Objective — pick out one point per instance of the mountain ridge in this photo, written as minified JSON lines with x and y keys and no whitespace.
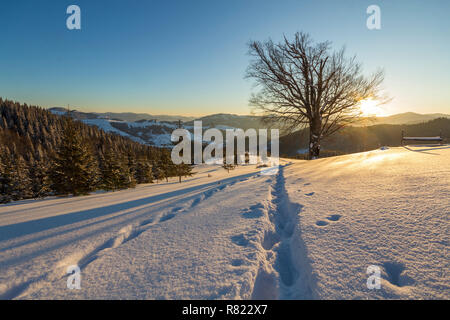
{"x":398,"y":118}
{"x":157,"y":133}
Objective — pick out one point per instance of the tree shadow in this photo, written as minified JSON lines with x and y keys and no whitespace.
{"x":34,"y":226}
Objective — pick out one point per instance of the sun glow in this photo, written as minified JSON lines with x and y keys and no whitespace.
{"x":370,"y":108}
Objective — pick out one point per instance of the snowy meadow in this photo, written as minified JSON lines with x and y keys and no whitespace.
{"x":309,"y":232}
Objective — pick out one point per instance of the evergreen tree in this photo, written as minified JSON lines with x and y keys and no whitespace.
{"x":5,"y":177}
{"x":130,"y":171}
{"x":165,"y":169}
{"x":40,"y":181}
{"x":39,"y":178}
{"x":111,"y":172}
{"x":144,"y":172}
{"x":75,"y":170}
{"x":21,"y":186}
{"x":159,"y":173}
{"x":14,"y":178}
{"x":183,"y":170}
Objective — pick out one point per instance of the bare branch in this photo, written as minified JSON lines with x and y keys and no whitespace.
{"x":304,"y":83}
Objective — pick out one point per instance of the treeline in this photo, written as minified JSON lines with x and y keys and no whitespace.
{"x":43,"y":154}
{"x":360,"y":139}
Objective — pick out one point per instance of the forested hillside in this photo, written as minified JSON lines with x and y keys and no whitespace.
{"x":44,"y":154}
{"x":359,"y":139}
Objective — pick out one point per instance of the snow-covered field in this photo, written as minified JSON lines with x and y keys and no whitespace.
{"x":308,"y":232}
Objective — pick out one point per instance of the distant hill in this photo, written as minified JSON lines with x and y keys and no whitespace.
{"x":124,"y":116}
{"x":231,"y":121}
{"x":403,"y":118}
{"x":129,"y":116}
{"x":145,"y":129}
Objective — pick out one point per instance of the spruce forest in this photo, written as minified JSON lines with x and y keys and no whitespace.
{"x":42,"y":154}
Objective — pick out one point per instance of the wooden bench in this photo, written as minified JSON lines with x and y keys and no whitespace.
{"x":434,"y":139}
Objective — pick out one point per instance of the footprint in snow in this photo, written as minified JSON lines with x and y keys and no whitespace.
{"x":196,"y":201}
{"x":334,"y":217}
{"x":255,"y":211}
{"x":237,"y":262}
{"x":167,"y":217}
{"x":396,"y":274}
{"x":146,"y":222}
{"x":321,"y":223}
{"x":239,"y":240}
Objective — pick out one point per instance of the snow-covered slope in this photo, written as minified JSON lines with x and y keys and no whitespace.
{"x":106,"y":126}
{"x":388,"y":208}
{"x":309,"y":231}
{"x":149,"y":130}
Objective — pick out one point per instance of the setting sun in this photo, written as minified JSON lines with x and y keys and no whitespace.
{"x":370,"y":108}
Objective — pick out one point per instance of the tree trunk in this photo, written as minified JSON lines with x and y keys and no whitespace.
{"x":314,"y":138}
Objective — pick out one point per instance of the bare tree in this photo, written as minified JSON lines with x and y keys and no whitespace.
{"x":305,"y":84}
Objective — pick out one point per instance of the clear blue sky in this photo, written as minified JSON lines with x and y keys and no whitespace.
{"x":189,"y":57}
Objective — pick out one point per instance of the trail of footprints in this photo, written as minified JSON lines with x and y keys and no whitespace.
{"x":283,"y":216}
{"x":276,"y":242}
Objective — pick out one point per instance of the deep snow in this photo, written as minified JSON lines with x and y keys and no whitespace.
{"x":308,"y":232}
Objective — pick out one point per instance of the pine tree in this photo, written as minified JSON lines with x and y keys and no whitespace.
{"x":111,"y":172}
{"x":21,"y":179}
{"x":38,"y":170}
{"x":40,"y":181}
{"x":130,"y":171}
{"x":183,"y":170}
{"x":159,"y":173}
{"x":144,"y":172}
{"x":165,"y":169}
{"x":75,"y":169}
{"x":14,"y":181}
{"x":5,"y":177}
